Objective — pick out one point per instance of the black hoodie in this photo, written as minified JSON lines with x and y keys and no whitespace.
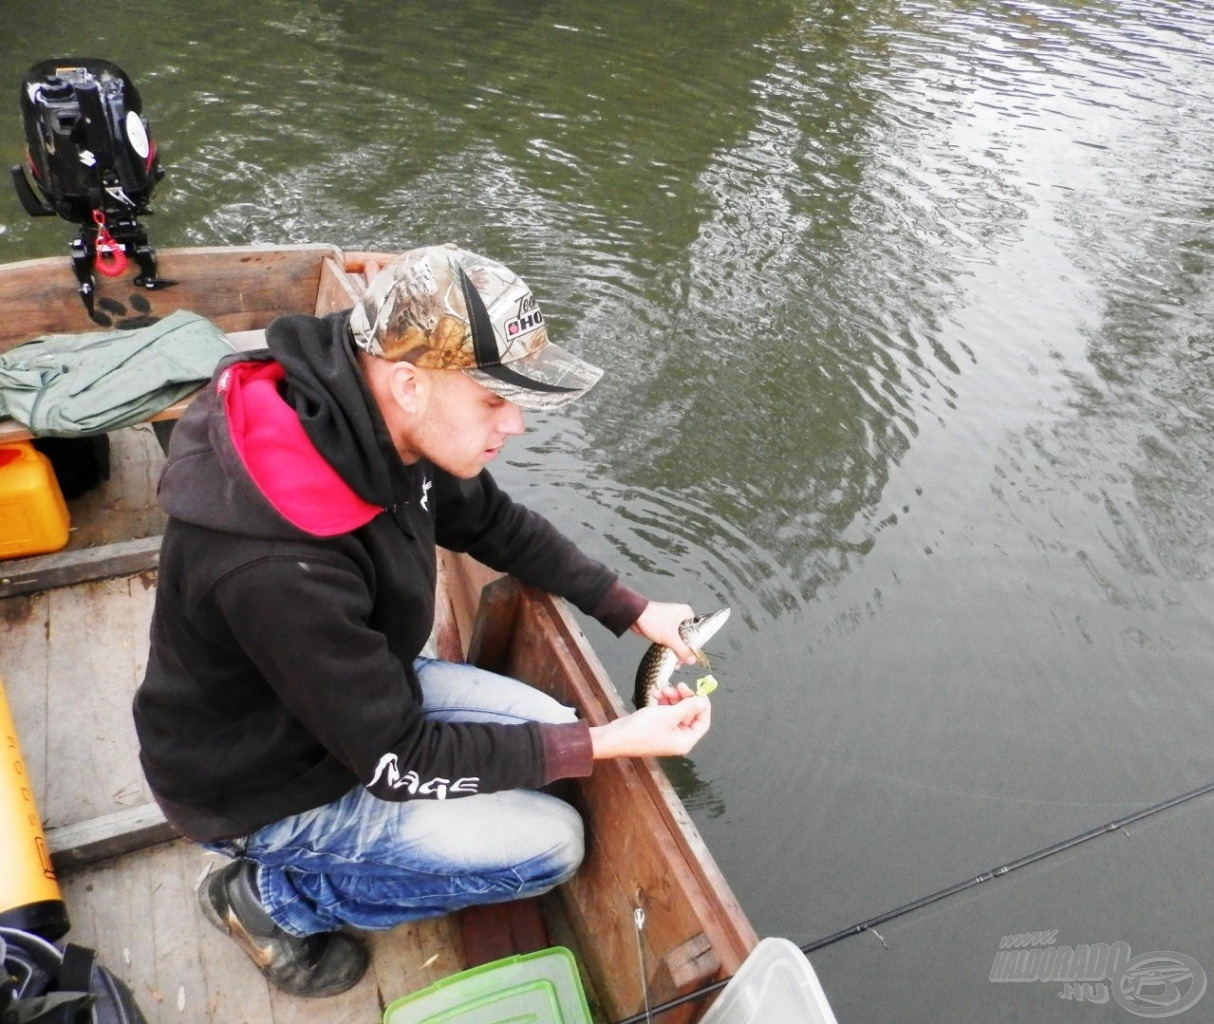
{"x":296,"y":587}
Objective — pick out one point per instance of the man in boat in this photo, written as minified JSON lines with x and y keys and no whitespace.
{"x":287,"y":717}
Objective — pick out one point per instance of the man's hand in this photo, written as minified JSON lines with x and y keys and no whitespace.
{"x":659,"y":623}
{"x":670,"y":727}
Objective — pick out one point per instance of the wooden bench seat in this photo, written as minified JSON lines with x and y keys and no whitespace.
{"x":241,"y":289}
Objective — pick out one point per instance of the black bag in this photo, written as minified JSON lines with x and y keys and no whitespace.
{"x":80,"y":463}
{"x":46,"y":985}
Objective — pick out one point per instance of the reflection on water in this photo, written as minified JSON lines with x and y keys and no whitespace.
{"x":698,"y":795}
{"x":906,"y":311}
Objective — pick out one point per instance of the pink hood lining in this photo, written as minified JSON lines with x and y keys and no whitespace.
{"x":280,"y":458}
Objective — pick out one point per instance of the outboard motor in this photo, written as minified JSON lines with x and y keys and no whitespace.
{"x":91,"y":160}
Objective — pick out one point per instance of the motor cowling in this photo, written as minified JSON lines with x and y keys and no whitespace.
{"x":90,"y":159}
{"x":88,"y":145}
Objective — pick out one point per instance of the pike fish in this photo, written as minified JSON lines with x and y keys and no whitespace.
{"x":659,"y":662}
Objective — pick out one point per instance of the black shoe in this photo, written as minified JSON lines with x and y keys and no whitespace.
{"x":319,"y":965}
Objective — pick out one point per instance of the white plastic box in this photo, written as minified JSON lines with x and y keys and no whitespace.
{"x":775,"y":985}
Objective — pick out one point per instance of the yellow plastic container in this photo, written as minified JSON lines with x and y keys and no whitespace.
{"x":33,"y":515}
{"x":29,"y":892}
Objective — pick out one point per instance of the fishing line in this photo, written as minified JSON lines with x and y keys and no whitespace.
{"x":952,"y":890}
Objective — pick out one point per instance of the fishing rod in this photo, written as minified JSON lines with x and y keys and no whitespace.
{"x":1015,"y":865}
{"x":952,"y":890}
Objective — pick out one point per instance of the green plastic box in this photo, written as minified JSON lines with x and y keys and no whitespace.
{"x":534,"y":988}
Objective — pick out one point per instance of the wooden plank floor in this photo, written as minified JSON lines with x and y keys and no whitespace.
{"x":70,"y":659}
{"x":140,"y":913}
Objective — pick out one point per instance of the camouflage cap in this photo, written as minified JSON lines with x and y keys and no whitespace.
{"x":444,"y":308}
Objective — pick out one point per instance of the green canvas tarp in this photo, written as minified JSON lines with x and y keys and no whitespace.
{"x":71,"y":385}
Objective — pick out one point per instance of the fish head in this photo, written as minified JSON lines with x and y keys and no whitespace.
{"x":698,"y":630}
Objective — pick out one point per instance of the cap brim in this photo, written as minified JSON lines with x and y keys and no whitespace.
{"x":545,"y":379}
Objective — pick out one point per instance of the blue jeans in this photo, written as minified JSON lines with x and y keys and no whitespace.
{"x":373,"y":864}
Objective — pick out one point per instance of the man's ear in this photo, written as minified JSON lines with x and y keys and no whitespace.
{"x":407,"y":385}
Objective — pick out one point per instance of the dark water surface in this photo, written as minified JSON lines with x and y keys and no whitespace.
{"x":908,"y":316}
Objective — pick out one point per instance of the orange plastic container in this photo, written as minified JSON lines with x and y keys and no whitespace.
{"x":33,"y":515}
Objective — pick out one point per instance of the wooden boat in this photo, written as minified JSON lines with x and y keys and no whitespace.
{"x":74,"y":648}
